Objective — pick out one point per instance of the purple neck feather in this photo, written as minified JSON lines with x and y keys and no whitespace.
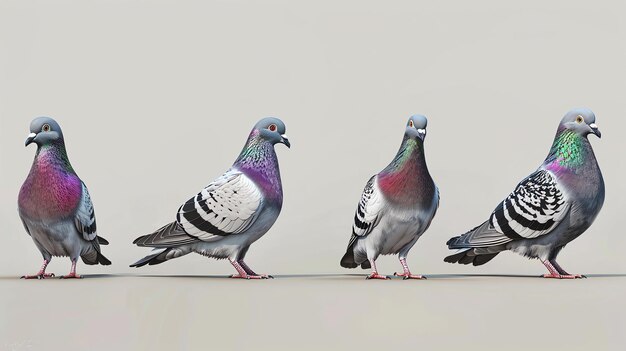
{"x":259,"y":162}
{"x":52,"y":189}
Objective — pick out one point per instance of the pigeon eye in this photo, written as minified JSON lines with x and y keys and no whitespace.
{"x":579,"y":119}
{"x":272,"y":127}
{"x":411,"y":124}
{"x":45,"y":128}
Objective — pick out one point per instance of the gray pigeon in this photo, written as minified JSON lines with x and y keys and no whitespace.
{"x":396,"y":207}
{"x":548,"y":209}
{"x":232,"y":212}
{"x":54,"y":203}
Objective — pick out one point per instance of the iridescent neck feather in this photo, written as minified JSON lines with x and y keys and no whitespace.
{"x":406,"y":179}
{"x":568,"y":152}
{"x":259,"y":162}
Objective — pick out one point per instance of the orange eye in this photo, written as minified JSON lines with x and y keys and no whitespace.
{"x":272,"y":127}
{"x":411,"y":123}
{"x":579,"y":119}
{"x":45,"y":127}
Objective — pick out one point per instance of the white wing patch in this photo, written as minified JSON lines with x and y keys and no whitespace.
{"x":229,"y":205}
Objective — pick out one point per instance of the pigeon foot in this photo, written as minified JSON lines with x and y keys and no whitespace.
{"x":39,"y":275}
{"x":251,"y":276}
{"x":375,"y":275}
{"x":71,"y":276}
{"x":408,"y":275}
{"x":564,"y":276}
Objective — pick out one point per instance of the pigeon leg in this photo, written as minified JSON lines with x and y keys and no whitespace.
{"x":250,"y":272}
{"x":557,"y":272}
{"x":72,"y":274}
{"x":41,"y":274}
{"x":374,"y":274}
{"x":407,"y":273}
{"x":241,"y":272}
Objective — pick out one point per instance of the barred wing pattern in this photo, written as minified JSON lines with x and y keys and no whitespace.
{"x":534,"y":208}
{"x":367,"y":213}
{"x":85,"y":217}
{"x":229,"y":205}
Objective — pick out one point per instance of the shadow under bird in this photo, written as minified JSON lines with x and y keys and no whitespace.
{"x":232,"y":212}
{"x":548,"y":209}
{"x":396,"y":207}
{"x":54,"y":204}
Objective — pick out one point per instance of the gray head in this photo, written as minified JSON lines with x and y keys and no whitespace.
{"x":273,"y":130}
{"x":581,"y":121}
{"x":44,"y":131}
{"x":416,"y":127}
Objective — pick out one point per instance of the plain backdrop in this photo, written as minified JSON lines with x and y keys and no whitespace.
{"x":156,"y":98}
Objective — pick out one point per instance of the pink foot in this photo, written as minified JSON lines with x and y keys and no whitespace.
{"x":39,"y":275}
{"x":564,"y":276}
{"x":408,"y":275}
{"x":377,"y":276}
{"x":251,"y":276}
{"x":71,"y":276}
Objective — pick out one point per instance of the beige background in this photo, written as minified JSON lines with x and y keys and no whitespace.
{"x":156,"y":99}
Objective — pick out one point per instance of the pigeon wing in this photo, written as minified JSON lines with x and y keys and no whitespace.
{"x":229,"y":205}
{"x":85,"y":217}
{"x":536,"y":206}
{"x":368,"y":212}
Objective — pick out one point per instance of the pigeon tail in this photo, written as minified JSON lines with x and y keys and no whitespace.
{"x":347,"y":261}
{"x":470,"y":255}
{"x":170,"y":235}
{"x":156,"y":258}
{"x":103,"y":260}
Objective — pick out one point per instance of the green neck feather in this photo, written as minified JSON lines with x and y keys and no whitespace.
{"x":568,"y":150}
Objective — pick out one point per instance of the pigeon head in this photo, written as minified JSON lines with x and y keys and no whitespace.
{"x":581,"y":121}
{"x":416,"y":127}
{"x":273,"y":130}
{"x":44,"y":131}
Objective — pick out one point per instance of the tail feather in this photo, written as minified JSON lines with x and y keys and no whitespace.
{"x":102,"y":241}
{"x":347,"y":261}
{"x":156,"y":258}
{"x":169,"y":235}
{"x":469,"y":255}
{"x":103,"y":260}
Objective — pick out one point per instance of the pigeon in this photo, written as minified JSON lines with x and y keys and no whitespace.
{"x":54,"y":204}
{"x":232,"y":212}
{"x":396,"y":207}
{"x":548,"y":209}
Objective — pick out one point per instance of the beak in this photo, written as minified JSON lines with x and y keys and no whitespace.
{"x":421,"y":133}
{"x":595,"y":130}
{"x":30,"y":139}
{"x":284,"y":140}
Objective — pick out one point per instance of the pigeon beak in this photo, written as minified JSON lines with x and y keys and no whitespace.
{"x":595,"y":130}
{"x":30,"y":139}
{"x":284,"y":140}
{"x":421,"y":133}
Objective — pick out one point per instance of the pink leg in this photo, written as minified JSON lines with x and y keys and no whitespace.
{"x":41,"y":274}
{"x":407,"y":273}
{"x":249,"y":270}
{"x":72,"y":274}
{"x":374,"y":274}
{"x":554,"y":272}
{"x":242,"y":274}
